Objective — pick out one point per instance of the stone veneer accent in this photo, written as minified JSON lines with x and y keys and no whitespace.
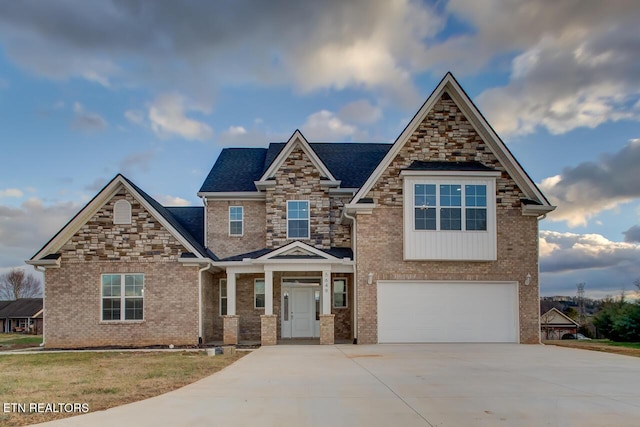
{"x":298,"y":179}
{"x":268,"y":334}
{"x":445,"y":135}
{"x":254,"y":233}
{"x":99,"y":239}
{"x":327,"y":329}
{"x":230,"y":329}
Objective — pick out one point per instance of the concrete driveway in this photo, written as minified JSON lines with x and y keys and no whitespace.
{"x":400,"y":385}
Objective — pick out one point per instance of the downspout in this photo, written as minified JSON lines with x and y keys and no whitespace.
{"x":540,"y":218}
{"x":200,"y":326}
{"x":355,"y":277}
{"x":44,"y":317}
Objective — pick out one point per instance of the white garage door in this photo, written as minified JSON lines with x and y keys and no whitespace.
{"x":447,"y":312}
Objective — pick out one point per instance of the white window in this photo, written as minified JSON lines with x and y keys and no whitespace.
{"x":450,"y":217}
{"x":298,"y":219}
{"x":258,"y":293}
{"x":340,"y":293}
{"x":223,"y":297}
{"x":122,"y":212}
{"x":441,"y":207}
{"x":236,"y":218}
{"x":122,"y":296}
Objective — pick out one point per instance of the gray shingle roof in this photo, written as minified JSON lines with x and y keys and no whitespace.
{"x":237,"y":168}
{"x":23,"y":307}
{"x":449,"y":166}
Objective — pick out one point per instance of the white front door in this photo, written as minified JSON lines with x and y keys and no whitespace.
{"x":299,"y":312}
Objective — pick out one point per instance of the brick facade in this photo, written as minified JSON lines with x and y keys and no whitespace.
{"x":445,"y":134}
{"x":253,"y":236}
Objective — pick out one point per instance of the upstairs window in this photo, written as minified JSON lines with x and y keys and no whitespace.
{"x":298,"y":219}
{"x":236,"y":219}
{"x":450,"y":207}
{"x":122,"y":212}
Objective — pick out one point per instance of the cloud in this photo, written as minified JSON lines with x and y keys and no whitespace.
{"x":314,"y":45}
{"x":327,"y":126}
{"x":606,"y":266}
{"x":24,"y":229}
{"x":96,"y":185}
{"x":575,"y":63}
{"x":632,"y":235}
{"x":11,"y":192}
{"x":583,"y":191}
{"x":135,"y":116}
{"x":167,"y":115}
{"x":360,"y":112}
{"x":136,"y":162}
{"x":87,"y":120}
{"x":166,"y":200}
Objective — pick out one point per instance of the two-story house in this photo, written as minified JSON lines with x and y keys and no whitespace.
{"x":433,"y":238}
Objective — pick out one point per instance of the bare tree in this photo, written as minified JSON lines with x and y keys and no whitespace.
{"x":17,"y":284}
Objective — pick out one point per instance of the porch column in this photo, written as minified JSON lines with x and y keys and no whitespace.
{"x":268,"y":292}
{"x":327,"y":329}
{"x":230,"y":325}
{"x":268,"y":321}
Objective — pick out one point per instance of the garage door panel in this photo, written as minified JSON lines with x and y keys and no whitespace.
{"x":447,"y":312}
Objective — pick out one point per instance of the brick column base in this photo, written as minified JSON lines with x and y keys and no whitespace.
{"x":327,"y":328}
{"x":268,"y":326}
{"x":230,"y":329}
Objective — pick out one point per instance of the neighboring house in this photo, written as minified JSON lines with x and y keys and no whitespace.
{"x":554,"y":324}
{"x":22,"y":315}
{"x":433,"y":238}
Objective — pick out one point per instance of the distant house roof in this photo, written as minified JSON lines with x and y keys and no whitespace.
{"x":555,"y":317}
{"x":23,"y":307}
{"x":236,"y":169}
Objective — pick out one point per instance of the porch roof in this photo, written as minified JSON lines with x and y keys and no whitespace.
{"x":340,"y":253}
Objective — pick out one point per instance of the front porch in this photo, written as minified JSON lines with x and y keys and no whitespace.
{"x":283,"y":297}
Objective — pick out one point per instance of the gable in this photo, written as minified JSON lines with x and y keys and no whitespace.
{"x":102,"y":239}
{"x":92,"y":234}
{"x":555,"y":317}
{"x":445,"y":135}
{"x":459,"y":126}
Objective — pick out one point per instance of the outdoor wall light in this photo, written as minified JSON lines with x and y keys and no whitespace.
{"x":370,"y":278}
{"x":527,"y":280}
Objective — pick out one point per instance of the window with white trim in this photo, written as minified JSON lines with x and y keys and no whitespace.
{"x":236,"y":218}
{"x":298,"y":219}
{"x":258,"y":293}
{"x":340,"y":293}
{"x":122,"y":297}
{"x":223,"y":297}
{"x":122,"y":212}
{"x":441,"y":207}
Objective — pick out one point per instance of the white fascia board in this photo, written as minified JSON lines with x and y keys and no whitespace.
{"x":45,"y":262}
{"x":233,"y":195}
{"x":286,"y":151}
{"x":237,"y":267}
{"x":328,"y":183}
{"x":360,"y":208}
{"x":196,"y":262}
{"x":536,"y":210}
{"x":263,"y":185}
{"x":464,"y":174}
{"x":345,"y":191}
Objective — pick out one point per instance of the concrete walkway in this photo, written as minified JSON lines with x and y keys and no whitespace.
{"x":400,"y":385}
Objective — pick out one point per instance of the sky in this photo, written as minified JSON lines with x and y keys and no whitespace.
{"x":155,"y":89}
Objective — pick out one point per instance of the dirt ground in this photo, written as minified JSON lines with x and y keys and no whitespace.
{"x":595,"y":346}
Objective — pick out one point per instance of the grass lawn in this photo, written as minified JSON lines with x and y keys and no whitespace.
{"x":15,"y":341}
{"x":101,"y":380}
{"x":626,"y":348}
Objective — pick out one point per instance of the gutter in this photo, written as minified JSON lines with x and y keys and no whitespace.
{"x":355,"y":275}
{"x":44,"y":299}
